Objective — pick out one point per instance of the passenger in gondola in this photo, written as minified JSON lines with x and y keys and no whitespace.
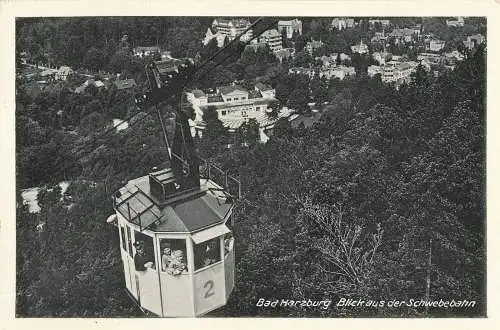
{"x":166,"y":258}
{"x":211,"y":253}
{"x":140,"y":257}
{"x":178,"y":265}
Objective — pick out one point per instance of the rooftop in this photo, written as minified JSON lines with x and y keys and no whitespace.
{"x":271,"y":33}
{"x":262,"y":87}
{"x":230,"y":89}
{"x":189,"y":211}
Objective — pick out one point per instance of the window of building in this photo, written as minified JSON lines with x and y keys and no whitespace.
{"x":228,"y":243}
{"x":243,"y":98}
{"x":173,"y":256}
{"x":129,"y":240}
{"x":124,"y":241}
{"x":235,"y":99}
{"x":145,"y":252}
{"x":223,"y":112}
{"x":228,"y":99}
{"x":207,"y":253}
{"x":257,"y":108}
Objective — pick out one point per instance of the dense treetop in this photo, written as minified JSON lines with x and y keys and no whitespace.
{"x":346,"y":208}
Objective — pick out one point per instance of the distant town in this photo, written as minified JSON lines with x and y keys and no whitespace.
{"x":388,"y":49}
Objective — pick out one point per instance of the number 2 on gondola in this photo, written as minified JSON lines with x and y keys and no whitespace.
{"x":209,"y":285}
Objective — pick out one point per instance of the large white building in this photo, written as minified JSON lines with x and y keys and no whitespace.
{"x":340,"y":23}
{"x":273,"y":39}
{"x":398,"y":72}
{"x":234,"y":104}
{"x":436,"y":45}
{"x":292,"y":26}
{"x":230,"y":28}
{"x":383,"y":22}
{"x":146,"y":51}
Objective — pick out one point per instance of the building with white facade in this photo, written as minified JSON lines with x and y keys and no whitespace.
{"x":398,"y":72}
{"x":219,"y":38}
{"x":383,"y":22}
{"x":361,"y":48}
{"x":273,"y":39}
{"x":341,"y":23}
{"x":230,"y":28}
{"x":234,"y":104}
{"x":146,"y":51}
{"x":436,"y":45}
{"x":292,"y":26}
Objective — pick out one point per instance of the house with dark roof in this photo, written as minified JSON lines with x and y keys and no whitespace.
{"x":266,"y":91}
{"x":233,"y":93}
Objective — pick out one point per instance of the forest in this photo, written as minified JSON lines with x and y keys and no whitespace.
{"x":349,"y":207}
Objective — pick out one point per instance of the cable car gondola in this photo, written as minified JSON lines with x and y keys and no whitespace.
{"x":175,"y":224}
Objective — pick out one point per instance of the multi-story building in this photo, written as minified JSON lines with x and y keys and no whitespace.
{"x":436,"y":45}
{"x":230,"y":28}
{"x":361,"y":48}
{"x":233,"y":28}
{"x":398,"y":72}
{"x":341,"y":23}
{"x":383,"y":22}
{"x":218,"y":36}
{"x":234,"y":104}
{"x":292,"y":26}
{"x":273,"y":39}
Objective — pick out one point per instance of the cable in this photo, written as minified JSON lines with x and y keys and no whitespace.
{"x":107,"y":131}
{"x":236,"y":39}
